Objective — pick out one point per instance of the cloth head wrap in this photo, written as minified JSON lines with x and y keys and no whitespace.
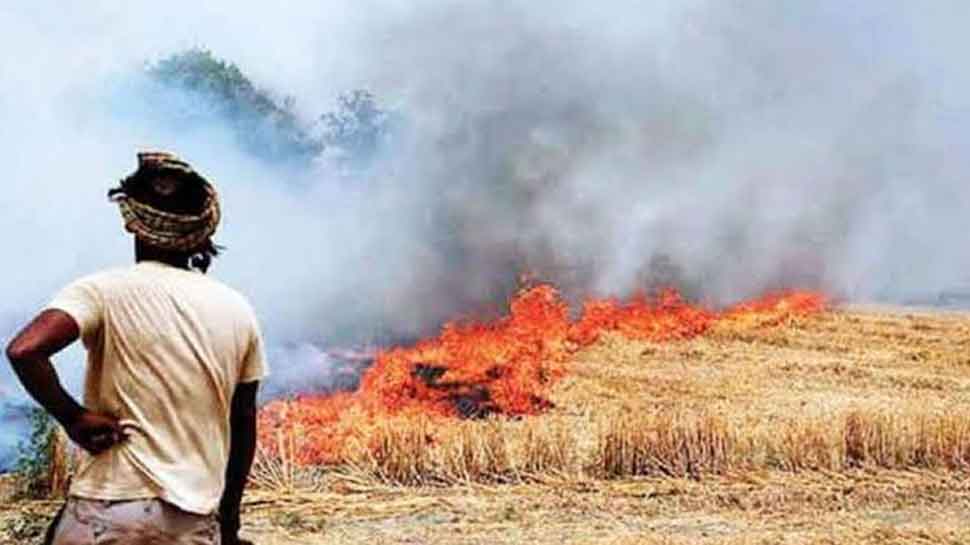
{"x":167,"y":230}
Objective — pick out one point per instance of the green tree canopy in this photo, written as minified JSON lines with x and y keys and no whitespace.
{"x":264,"y":126}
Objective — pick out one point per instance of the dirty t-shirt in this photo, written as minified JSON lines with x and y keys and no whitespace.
{"x":166,"y":349}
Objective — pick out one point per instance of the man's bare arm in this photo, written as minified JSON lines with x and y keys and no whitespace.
{"x":29,"y":354}
{"x":241,"y":452}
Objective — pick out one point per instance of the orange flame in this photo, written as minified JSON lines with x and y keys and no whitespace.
{"x":507,"y":366}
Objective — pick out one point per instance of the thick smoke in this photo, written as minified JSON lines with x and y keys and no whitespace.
{"x":739,"y":146}
{"x":756,"y":145}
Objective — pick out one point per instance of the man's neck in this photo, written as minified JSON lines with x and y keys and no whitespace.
{"x":179,"y":260}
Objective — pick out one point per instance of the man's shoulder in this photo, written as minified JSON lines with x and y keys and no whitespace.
{"x":104,"y":277}
{"x":229,"y":291}
{"x":150,"y":275}
{"x":228,"y":294}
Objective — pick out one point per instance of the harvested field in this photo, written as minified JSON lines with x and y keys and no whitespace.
{"x":848,"y":426}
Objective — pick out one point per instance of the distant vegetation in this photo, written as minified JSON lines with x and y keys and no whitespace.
{"x":265,"y":125}
{"x":356,"y":129}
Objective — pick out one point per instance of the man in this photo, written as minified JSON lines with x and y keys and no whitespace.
{"x":167,"y":430}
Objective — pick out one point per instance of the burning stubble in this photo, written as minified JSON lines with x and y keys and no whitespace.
{"x":505,"y":368}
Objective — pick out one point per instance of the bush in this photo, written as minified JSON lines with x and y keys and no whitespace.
{"x":42,"y":465}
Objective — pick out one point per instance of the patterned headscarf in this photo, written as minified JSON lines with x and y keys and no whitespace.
{"x":167,"y":230}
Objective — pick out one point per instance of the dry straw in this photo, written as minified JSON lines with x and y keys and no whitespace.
{"x":681,"y":443}
{"x":832,"y":393}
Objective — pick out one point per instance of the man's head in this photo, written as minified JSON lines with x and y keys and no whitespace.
{"x":170,"y":208}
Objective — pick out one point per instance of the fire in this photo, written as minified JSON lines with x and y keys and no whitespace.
{"x":667,"y":318}
{"x":506,"y":367}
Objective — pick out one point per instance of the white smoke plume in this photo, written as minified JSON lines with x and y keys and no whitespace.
{"x":751,"y":145}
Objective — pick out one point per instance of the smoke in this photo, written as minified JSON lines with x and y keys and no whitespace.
{"x":757,"y":145}
{"x":744,"y":145}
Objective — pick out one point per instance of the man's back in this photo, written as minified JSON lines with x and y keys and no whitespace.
{"x":168,"y":424}
{"x":166,"y":349}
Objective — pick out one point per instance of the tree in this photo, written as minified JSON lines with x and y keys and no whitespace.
{"x":355,"y":132}
{"x":264,"y":126}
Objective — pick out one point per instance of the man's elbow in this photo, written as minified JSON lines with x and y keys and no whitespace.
{"x":19,"y":353}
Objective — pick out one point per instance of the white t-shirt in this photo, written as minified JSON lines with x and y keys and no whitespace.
{"x":166,"y":349}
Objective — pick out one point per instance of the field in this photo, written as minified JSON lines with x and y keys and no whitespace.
{"x":848,"y":426}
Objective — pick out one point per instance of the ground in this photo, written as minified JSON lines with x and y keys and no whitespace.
{"x":772,"y":391}
{"x":767,"y":508}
